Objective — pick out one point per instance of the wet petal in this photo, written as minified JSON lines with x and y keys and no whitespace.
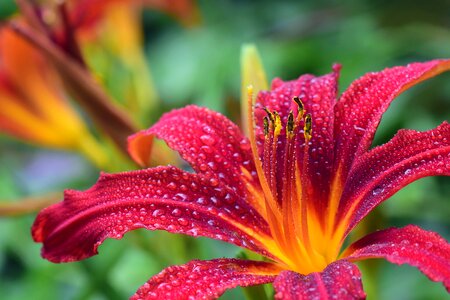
{"x":206,"y":279}
{"x":211,"y":143}
{"x":426,"y":250}
{"x":163,"y":198}
{"x":340,"y":280}
{"x":361,"y":106}
{"x":384,"y":170}
{"x":318,"y":95}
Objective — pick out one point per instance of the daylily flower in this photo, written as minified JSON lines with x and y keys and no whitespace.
{"x":292,"y":191}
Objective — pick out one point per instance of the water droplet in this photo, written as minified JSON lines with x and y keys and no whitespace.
{"x":207,"y":139}
{"x":201,"y":201}
{"x":176,"y":212}
{"x":207,"y":149}
{"x":214,"y":200}
{"x":172,"y":186}
{"x":180,"y":197}
{"x":428,"y":245}
{"x":407,"y":171}
{"x":183,"y":221}
{"x":404,"y":242}
{"x":214,"y":182}
{"x":158,"y":213}
{"x":245,"y":145}
{"x":229,"y":199}
{"x":377,"y":191}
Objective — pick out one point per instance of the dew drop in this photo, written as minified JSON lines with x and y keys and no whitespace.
{"x":407,"y":172}
{"x":404,"y":242}
{"x":201,"y":201}
{"x":214,"y":182}
{"x":207,"y":149}
{"x":183,"y":221}
{"x":377,"y":191}
{"x":158,"y":213}
{"x":207,"y":140}
{"x":176,"y":212}
{"x":172,"y":186}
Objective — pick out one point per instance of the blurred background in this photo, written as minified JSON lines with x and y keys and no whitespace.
{"x":197,"y":61}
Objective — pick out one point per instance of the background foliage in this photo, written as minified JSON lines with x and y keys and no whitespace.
{"x":201,"y":65}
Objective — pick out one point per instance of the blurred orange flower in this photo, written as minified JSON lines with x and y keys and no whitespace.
{"x":34,"y":105}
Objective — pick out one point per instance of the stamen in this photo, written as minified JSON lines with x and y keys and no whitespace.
{"x":266,"y":126}
{"x":308,"y":128}
{"x":290,"y":214}
{"x":269,"y":114}
{"x":272,"y":210}
{"x":290,"y":125}
{"x":301,"y":108}
{"x":276,"y":124}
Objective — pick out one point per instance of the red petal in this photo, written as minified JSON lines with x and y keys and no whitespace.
{"x":206,"y":279}
{"x":359,"y":110}
{"x":164,"y":198}
{"x":423,"y":249}
{"x":318,"y":95}
{"x":384,"y":170}
{"x":211,"y":143}
{"x":340,"y":280}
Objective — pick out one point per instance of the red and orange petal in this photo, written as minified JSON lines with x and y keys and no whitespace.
{"x":38,"y":113}
{"x":205,"y":279}
{"x":84,"y":14}
{"x":359,"y":109}
{"x":318,"y":95}
{"x":164,"y":198}
{"x":379,"y":173}
{"x":212,"y":144}
{"x":426,"y":250}
{"x":339,"y":280}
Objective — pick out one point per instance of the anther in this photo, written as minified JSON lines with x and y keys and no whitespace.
{"x":301,"y":107}
{"x":269,"y":114}
{"x":290,"y":124}
{"x":276,"y":124}
{"x":266,"y":126}
{"x":308,"y":127}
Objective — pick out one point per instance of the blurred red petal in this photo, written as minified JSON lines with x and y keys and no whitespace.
{"x":206,"y":279}
{"x":340,"y":280}
{"x":426,"y":250}
{"x":379,"y":173}
{"x":359,"y":109}
{"x":163,"y":198}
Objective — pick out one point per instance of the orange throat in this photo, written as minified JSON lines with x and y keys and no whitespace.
{"x":300,"y":237}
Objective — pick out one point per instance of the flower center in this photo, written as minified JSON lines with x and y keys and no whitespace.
{"x":282,"y":171}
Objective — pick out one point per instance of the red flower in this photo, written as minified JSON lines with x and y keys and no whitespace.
{"x":292,"y":192}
